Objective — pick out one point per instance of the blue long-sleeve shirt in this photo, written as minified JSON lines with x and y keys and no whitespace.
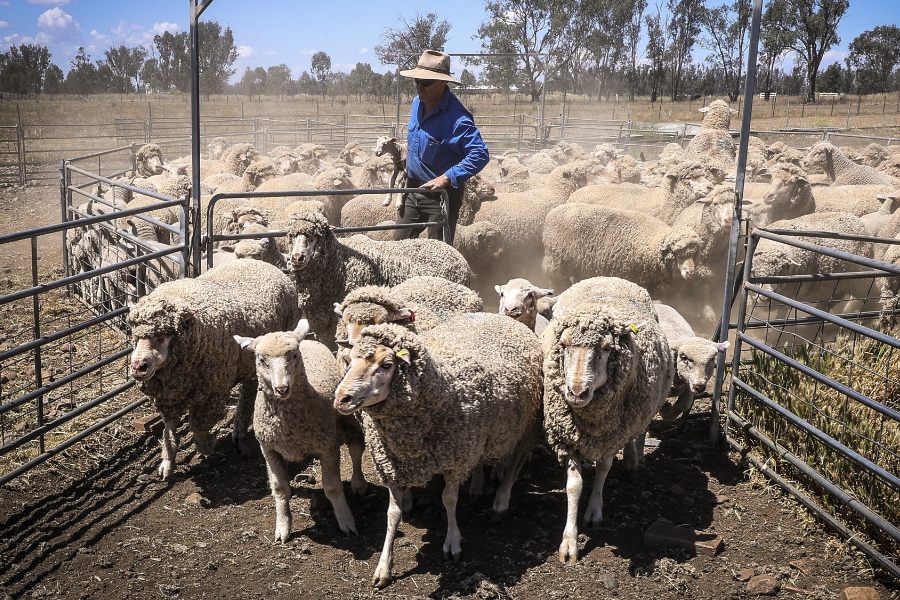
{"x":445,"y":141}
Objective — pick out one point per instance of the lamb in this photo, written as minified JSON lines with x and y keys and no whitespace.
{"x":184,"y":357}
{"x":694,"y":358}
{"x":464,"y":394}
{"x":294,"y":417}
{"x":607,"y":371}
{"x":148,"y":161}
{"x":519,"y":300}
{"x":605,"y":153}
{"x":397,"y":152}
{"x":584,"y":240}
{"x":374,"y":173}
{"x":875,"y":221}
{"x":840,"y":169}
{"x":326,"y":269}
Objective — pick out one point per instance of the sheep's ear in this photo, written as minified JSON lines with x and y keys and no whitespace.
{"x":394,"y":139}
{"x":301,"y":329}
{"x":723,"y":346}
{"x":704,"y":109}
{"x":403,"y":313}
{"x":189,"y":316}
{"x":733,"y":111}
{"x":244,"y":342}
{"x":229,"y":248}
{"x":499,"y":289}
{"x":337,"y":309}
{"x":404,"y":356}
{"x":542,"y":292}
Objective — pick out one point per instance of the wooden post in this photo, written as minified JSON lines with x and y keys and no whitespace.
{"x":787,"y":115}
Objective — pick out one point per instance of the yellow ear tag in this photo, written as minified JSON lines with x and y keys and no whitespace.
{"x":634,"y":328}
{"x":402,"y":353}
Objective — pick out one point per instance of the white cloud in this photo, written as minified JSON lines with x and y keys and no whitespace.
{"x":100,"y":38}
{"x":833,"y":56}
{"x":307,"y":51}
{"x":50,"y":2}
{"x":58,"y":27}
{"x":5,"y":25}
{"x":246,"y":52}
{"x":5,"y":4}
{"x":363,"y":51}
{"x":270,"y":53}
{"x":160,"y":28}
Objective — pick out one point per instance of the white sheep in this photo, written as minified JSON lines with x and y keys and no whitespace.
{"x":519,"y":300}
{"x":840,"y":169}
{"x":397,"y":152}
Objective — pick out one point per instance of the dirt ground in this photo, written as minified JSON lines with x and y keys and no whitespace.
{"x":116,"y":531}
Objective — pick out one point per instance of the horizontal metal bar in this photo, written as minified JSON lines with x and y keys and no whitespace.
{"x":809,"y":504}
{"x":43,"y":391}
{"x":117,"y":208}
{"x":824,"y":379}
{"x":860,"y":260}
{"x":126,"y":186}
{"x":821,"y":314}
{"x":758,"y":323}
{"x":47,"y":339}
{"x":833,"y":236}
{"x":816,"y":277}
{"x":95,"y":154}
{"x":46,"y":287}
{"x":78,"y":437}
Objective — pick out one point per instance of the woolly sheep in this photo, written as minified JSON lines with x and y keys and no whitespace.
{"x":217,"y":148}
{"x":254,"y":176}
{"x":374,"y":173}
{"x":184,"y":357}
{"x":789,"y":195}
{"x":264,"y":249}
{"x":855,"y":199}
{"x":353,"y":154}
{"x":872,"y":155}
{"x":331,"y":179}
{"x":464,"y":394}
{"x":148,"y":161}
{"x":481,"y":244}
{"x":294,"y":417}
{"x":599,"y":289}
{"x":840,"y":169}
{"x":519,"y":300}
{"x":326,"y":269}
{"x":541,"y":163}
{"x":514,"y":177}
{"x":584,"y":240}
{"x":606,"y":152}
{"x":607,"y":371}
{"x":624,"y":169}
{"x":694,"y":357}
{"x":875,"y":221}
{"x":237,"y":158}
{"x":713,"y":142}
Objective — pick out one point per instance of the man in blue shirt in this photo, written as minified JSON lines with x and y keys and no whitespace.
{"x":444,"y":148}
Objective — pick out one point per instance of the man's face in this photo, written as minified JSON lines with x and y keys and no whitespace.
{"x":432,"y":92}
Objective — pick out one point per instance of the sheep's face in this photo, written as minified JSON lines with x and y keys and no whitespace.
{"x":381,"y":144}
{"x":251,"y":249}
{"x":359,"y":315}
{"x":695,"y":362}
{"x":518,"y":299}
{"x":699,"y":186}
{"x":368,"y":379}
{"x":484,"y":190}
{"x":302,"y":249}
{"x":278,"y":358}
{"x":783,"y":190}
{"x":217,"y":148}
{"x":585,"y":368}
{"x":818,"y":156}
{"x":149,"y":355}
{"x":723,"y":210}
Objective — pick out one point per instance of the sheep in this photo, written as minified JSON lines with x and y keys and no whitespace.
{"x":184,"y":357}
{"x":288,"y":183}
{"x":481,"y":244}
{"x":713,"y":142}
{"x":514,"y":177}
{"x":419,"y":303}
{"x":294,"y":417}
{"x":875,"y":221}
{"x":397,"y":151}
{"x":477,"y":190}
{"x":891,"y":168}
{"x":840,"y":169}
{"x":624,"y":169}
{"x":464,"y":394}
{"x":855,"y":199}
{"x":599,"y":289}
{"x":217,"y":148}
{"x":789,"y":195}
{"x":541,"y":163}
{"x":284,"y":159}
{"x":695,"y":361}
{"x":331,"y":179}
{"x":326,"y":269}
{"x":353,"y":154}
{"x":237,"y":158}
{"x":519,"y":300}
{"x":776,"y":259}
{"x":374,"y":173}
{"x":606,"y":152}
{"x":254,"y":175}
{"x":148,"y":161}
{"x":584,"y":240}
{"x":264,"y":249}
{"x":607,"y":371}
{"x":872,"y":155}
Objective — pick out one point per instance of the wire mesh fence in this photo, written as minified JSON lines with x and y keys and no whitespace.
{"x":815,"y":391}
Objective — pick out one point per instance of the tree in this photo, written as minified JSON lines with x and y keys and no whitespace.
{"x":172,"y":61}
{"x":632,"y":38}
{"x":605,"y":20}
{"x":875,"y":54}
{"x":360,"y":80}
{"x":22,"y":68}
{"x":278,"y":80}
{"x":684,"y":27}
{"x":523,"y":26}
{"x":217,"y":55}
{"x":814,"y":23}
{"x":775,"y":41}
{"x":82,"y":77}
{"x":727,"y":28}
{"x":411,"y":38}
{"x":306,"y":84}
{"x":467,"y":79}
{"x":125,"y":64}
{"x":832,"y":79}
{"x":320,"y":65}
{"x":253,"y":82}
{"x":657,"y":51}
{"x":53,"y":80}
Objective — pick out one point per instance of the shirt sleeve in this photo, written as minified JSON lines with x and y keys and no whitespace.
{"x":472,"y":147}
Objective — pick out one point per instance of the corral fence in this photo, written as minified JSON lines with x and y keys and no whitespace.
{"x":64,"y":347}
{"x":30,"y":153}
{"x":814,"y":397}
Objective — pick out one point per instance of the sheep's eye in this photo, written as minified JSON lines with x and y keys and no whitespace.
{"x":263,"y":361}
{"x":387,"y":365}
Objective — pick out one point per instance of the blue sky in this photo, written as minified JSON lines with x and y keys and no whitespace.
{"x":270,"y":32}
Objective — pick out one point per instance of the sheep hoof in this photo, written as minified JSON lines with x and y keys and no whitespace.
{"x":593,"y":519}
{"x":381,"y":580}
{"x":568,"y":552}
{"x":283,"y":534}
{"x":386,"y":201}
{"x":348,"y":529}
{"x":455,"y":556}
{"x":498,"y":516}
{"x":359,"y":490}
{"x":165,"y":470}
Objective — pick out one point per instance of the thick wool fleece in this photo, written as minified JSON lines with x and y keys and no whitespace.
{"x":237,"y":158}
{"x":435,"y":299}
{"x":840,"y":169}
{"x":337,"y":267}
{"x":306,"y":422}
{"x":678,"y":191}
{"x":640,"y":373}
{"x":143,"y":154}
{"x":585,"y":240}
{"x":472,"y":394}
{"x":599,"y":289}
{"x":204,"y":313}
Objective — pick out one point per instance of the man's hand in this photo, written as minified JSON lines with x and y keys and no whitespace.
{"x":441,"y":181}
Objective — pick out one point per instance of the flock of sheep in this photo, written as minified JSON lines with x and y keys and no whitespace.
{"x":406,"y":363}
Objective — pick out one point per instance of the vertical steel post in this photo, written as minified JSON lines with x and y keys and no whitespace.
{"x":743,"y":144}
{"x":399,"y":59}
{"x":195,"y":228}
{"x":543,"y":101}
{"x":36,"y":304}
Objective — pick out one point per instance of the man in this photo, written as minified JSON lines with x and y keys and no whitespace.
{"x":444,"y":148}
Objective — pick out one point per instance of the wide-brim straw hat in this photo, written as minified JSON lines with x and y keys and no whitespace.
{"x":432,"y":65}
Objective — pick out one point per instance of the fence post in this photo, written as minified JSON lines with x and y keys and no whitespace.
{"x":20,"y":152}
{"x":787,"y":115}
{"x":148,"y":130}
{"x":521,"y":124}
{"x":849,"y":104}
{"x":308,"y":131}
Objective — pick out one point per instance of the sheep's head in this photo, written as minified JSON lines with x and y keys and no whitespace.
{"x":278,"y":358}
{"x":382,"y":351}
{"x":605,"y":153}
{"x":236,"y":220}
{"x":788,"y":184}
{"x":308,"y":234}
{"x":333,"y":179}
{"x":217,"y":148}
{"x":519,"y":298}
{"x":371,"y":305}
{"x":721,"y":205}
{"x":149,"y":160}
{"x":820,"y":155}
{"x":484,"y":190}
{"x":717,"y":115}
{"x":695,"y":361}
{"x":679,"y":251}
{"x":693,"y":176}
{"x":387,"y":145}
{"x":156,"y":320}
{"x":259,"y":172}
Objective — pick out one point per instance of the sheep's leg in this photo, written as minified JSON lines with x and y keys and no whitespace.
{"x":243,"y":415}
{"x":501,"y":499}
{"x":568,"y":549}
{"x":634,"y":452}
{"x":281,"y":491}
{"x":407,"y":503}
{"x":476,"y":486}
{"x":334,"y":490}
{"x":452,"y":542}
{"x":382,"y":575}
{"x":357,"y":481}
{"x":169,"y":448}
{"x":201,"y":419}
{"x":593,"y":516}
{"x":682,"y":406}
